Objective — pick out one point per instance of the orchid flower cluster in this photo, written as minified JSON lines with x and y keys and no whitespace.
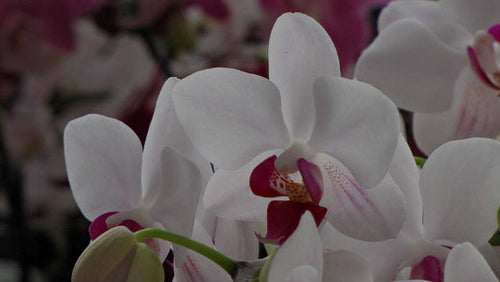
{"x":309,"y":164}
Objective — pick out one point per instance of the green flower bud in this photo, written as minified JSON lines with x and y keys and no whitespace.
{"x":116,"y":255}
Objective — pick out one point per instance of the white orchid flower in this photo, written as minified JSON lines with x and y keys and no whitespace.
{"x":305,"y":122}
{"x":115,"y":182}
{"x":439,"y":60}
{"x":453,"y":203}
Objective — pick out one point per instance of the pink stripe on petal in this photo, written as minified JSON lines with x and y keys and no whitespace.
{"x":266,"y":181}
{"x":99,"y":226}
{"x":476,"y":66}
{"x":495,"y":32}
{"x":313,"y":180}
{"x":429,"y":268}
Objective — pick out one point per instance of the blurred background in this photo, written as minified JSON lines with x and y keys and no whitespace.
{"x":61,"y":59}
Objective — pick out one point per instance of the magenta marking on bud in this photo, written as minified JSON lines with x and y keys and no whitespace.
{"x":476,"y":66}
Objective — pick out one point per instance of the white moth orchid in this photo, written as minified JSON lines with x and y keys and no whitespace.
{"x":115,"y":183}
{"x":456,"y":203}
{"x":307,"y":122}
{"x":440,"y":60}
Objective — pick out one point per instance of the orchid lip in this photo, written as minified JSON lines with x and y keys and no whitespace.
{"x":483,"y":58}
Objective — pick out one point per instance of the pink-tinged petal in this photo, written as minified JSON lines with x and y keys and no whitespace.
{"x":429,"y":268}
{"x":495,"y":32}
{"x":478,"y":69}
{"x":371,"y":215}
{"x":428,"y":13}
{"x":473,"y":15}
{"x":283,"y":218}
{"x":197,"y":268}
{"x":103,"y":160}
{"x":313,"y":180}
{"x":340,"y":266}
{"x":165,"y":130}
{"x":99,"y":226}
{"x":405,"y":173}
{"x":175,"y":206}
{"x":465,"y":263}
{"x":236,"y":239}
{"x":460,"y":191}
{"x":215,"y":8}
{"x":428,"y":71}
{"x":228,"y":193}
{"x":302,"y":248}
{"x":356,"y":124}
{"x":229,"y":115}
{"x":300,"y":51}
{"x":474,"y":112}
{"x":266,"y":180}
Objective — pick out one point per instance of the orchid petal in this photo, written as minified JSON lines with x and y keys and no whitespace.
{"x":175,"y":206}
{"x":304,"y":273}
{"x":405,"y":173}
{"x":371,"y":215}
{"x":465,"y":263}
{"x":474,"y":112}
{"x":473,"y":15}
{"x":460,"y":191}
{"x":165,"y":130}
{"x":343,"y":265}
{"x":357,"y":125}
{"x":431,"y":16}
{"x":229,"y":115}
{"x":228,"y":193}
{"x":103,"y":160}
{"x":303,"y":247}
{"x":196,"y":267}
{"x":300,"y":51}
{"x":384,"y":257}
{"x":236,"y":239}
{"x":428,"y":72}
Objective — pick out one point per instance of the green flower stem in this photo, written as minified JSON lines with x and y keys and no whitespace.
{"x":223,"y":261}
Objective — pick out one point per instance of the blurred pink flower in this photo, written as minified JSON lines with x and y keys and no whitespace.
{"x":348,"y":22}
{"x":33,"y":34}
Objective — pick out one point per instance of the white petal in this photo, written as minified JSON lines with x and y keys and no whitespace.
{"x":103,"y":160}
{"x":460,"y":186}
{"x":176,"y":203}
{"x":473,"y":15}
{"x":465,"y":263}
{"x":474,"y":112}
{"x":230,"y":116}
{"x":236,"y":239}
{"x":357,"y":125}
{"x":428,"y":13}
{"x":197,"y":268}
{"x":228,"y":193}
{"x":385,"y":257}
{"x":417,"y":76}
{"x":343,"y":266}
{"x":303,"y":247}
{"x":165,"y":130}
{"x":372,"y":215}
{"x":300,"y":51}
{"x":304,"y":273}
{"x":405,"y":173}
